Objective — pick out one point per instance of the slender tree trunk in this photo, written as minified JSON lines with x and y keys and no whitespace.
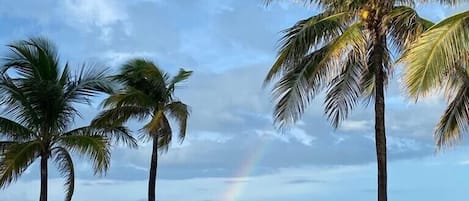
{"x":153,"y":168}
{"x":378,"y":63}
{"x":43,"y":193}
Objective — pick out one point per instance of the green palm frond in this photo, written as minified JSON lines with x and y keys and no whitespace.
{"x":454,"y":120}
{"x":154,"y":125}
{"x":143,"y":75}
{"x":16,"y":159}
{"x":406,"y":26}
{"x":4,"y":145}
{"x":116,"y":134}
{"x":129,"y":97}
{"x":14,"y":131}
{"x":181,"y":76}
{"x":35,"y":58}
{"x":64,"y":164}
{"x":297,"y":87}
{"x":443,"y":47}
{"x":165,"y":135}
{"x":180,"y":113}
{"x":298,"y":41}
{"x":93,"y":146}
{"x":345,"y":90}
{"x":20,"y":106}
{"x":120,"y":115}
{"x":88,"y":82}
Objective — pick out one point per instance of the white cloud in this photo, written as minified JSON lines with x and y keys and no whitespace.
{"x":352,"y":125}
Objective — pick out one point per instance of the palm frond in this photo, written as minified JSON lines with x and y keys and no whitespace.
{"x":454,"y":120}
{"x":4,"y":145}
{"x":93,"y":146}
{"x":121,"y":114}
{"x":19,"y":104}
{"x":64,"y":163}
{"x":87,"y":83}
{"x":181,"y":76}
{"x":442,"y":48}
{"x":129,"y":97}
{"x":14,"y":131}
{"x":297,"y":87}
{"x":35,"y":58}
{"x":16,"y":159}
{"x":405,"y":27}
{"x":299,"y":40}
{"x":116,"y":134}
{"x":165,"y":135}
{"x":143,"y":75}
{"x":345,"y":90}
{"x":180,"y":113}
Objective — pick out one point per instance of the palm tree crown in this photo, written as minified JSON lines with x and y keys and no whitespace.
{"x":147,"y":93}
{"x":40,"y":98}
{"x":346,"y":51}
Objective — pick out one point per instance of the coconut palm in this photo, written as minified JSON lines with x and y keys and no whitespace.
{"x":148,"y":94}
{"x":439,"y":59}
{"x":346,"y":51}
{"x":40,"y":101}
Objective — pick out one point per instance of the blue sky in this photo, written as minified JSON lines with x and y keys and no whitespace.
{"x":230,"y":45}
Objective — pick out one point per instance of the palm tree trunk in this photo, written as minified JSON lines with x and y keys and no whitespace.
{"x":153,"y":168}
{"x":43,"y":193}
{"x":378,"y":63}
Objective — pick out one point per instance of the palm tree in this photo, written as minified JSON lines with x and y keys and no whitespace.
{"x":439,"y":59}
{"x":148,"y":94}
{"x":346,"y":51}
{"x":40,"y":100}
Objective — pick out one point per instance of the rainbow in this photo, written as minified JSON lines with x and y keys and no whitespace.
{"x":235,"y":188}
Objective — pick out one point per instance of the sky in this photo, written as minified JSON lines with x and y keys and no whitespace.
{"x":232,"y":151}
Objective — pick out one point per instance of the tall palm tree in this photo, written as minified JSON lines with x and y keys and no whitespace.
{"x":439,"y":59}
{"x":346,"y":51}
{"x":40,"y":99}
{"x":148,"y":94}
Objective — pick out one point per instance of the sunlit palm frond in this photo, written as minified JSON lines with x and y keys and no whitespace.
{"x":297,"y":87}
{"x":91,"y":145}
{"x":16,"y":159}
{"x":443,"y":47}
{"x":180,"y":113}
{"x":64,"y":163}
{"x":165,"y":135}
{"x":154,"y":126}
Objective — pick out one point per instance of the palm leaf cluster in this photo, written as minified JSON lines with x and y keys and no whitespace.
{"x":439,"y":60}
{"x":147,"y":94}
{"x":40,"y":100}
